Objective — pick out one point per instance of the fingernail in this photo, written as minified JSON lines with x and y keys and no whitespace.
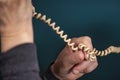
{"x":75,"y":72}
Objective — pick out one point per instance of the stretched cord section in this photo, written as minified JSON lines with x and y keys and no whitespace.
{"x":92,"y":53}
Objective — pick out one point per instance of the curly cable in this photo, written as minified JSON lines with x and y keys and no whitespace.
{"x":57,"y":29}
{"x":91,"y":53}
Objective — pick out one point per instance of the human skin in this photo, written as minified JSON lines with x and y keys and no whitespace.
{"x":71,"y":65}
{"x":15,"y":23}
{"x":16,"y":29}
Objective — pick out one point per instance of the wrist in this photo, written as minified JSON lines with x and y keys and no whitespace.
{"x":54,"y":73}
{"x":16,"y":29}
{"x":8,"y":43}
{"x":12,"y":37}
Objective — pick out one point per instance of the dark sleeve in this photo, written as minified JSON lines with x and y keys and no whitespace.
{"x":20,"y":63}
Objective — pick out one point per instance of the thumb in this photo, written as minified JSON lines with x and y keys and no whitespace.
{"x":80,"y":68}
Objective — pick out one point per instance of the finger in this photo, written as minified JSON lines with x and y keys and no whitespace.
{"x":67,"y":59}
{"x":80,"y":68}
{"x":72,"y":76}
{"x":74,"y":57}
{"x":85,"y":67}
{"x":85,"y":40}
{"x":70,"y":58}
{"x":92,"y":66}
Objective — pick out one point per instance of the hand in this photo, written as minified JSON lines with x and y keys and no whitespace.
{"x":14,"y":16}
{"x":15,"y":23}
{"x":71,"y":65}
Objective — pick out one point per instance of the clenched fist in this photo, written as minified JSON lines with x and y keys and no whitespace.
{"x":72,"y":65}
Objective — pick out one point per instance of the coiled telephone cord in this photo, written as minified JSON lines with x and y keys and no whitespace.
{"x":92,"y":53}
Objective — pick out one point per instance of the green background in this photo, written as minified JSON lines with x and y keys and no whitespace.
{"x":99,"y":19}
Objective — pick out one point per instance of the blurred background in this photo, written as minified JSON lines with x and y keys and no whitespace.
{"x":99,"y":19}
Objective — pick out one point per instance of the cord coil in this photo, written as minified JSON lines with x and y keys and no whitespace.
{"x":92,"y":53}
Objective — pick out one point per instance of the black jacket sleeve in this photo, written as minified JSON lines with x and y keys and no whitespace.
{"x":20,"y":63}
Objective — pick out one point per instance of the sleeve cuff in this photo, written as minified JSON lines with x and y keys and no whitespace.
{"x":48,"y":75}
{"x":20,"y":59}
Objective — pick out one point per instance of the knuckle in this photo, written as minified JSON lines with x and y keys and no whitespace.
{"x":86,"y":38}
{"x":81,"y":38}
{"x":74,"y":39}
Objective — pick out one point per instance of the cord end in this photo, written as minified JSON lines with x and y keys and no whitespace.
{"x":115,"y":49}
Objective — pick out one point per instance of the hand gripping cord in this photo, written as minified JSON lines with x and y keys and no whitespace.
{"x":92,"y":53}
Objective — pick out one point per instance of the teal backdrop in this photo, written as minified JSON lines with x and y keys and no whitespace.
{"x":99,"y":19}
